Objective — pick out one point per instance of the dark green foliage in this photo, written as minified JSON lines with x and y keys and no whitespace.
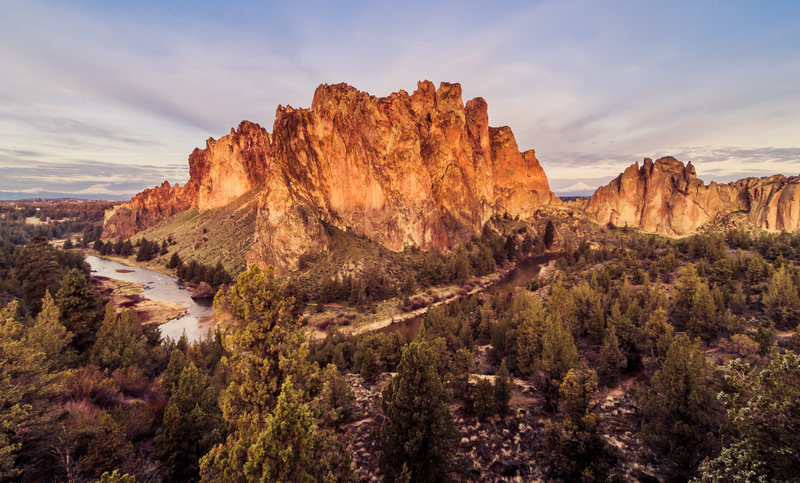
{"x":27,"y":388}
{"x":503,"y":388}
{"x":370,"y":369}
{"x":763,"y":412}
{"x":483,"y":405}
{"x":78,"y":304}
{"x":148,"y":250}
{"x":196,"y":272}
{"x":174,"y":261}
{"x":612,"y":360}
{"x":559,"y":355}
{"x":680,"y":416}
{"x":36,"y":272}
{"x":120,"y":341}
{"x":418,"y":431}
{"x":337,"y":400}
{"x":693,"y":307}
{"x":549,"y":234}
{"x":781,"y":300}
{"x":461,"y":369}
{"x":192,"y":424}
{"x":272,"y":429}
{"x":573,"y":448}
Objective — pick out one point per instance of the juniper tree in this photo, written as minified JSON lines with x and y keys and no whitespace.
{"x":265,"y":348}
{"x":763,"y":413}
{"x":612,"y":360}
{"x":573,"y":448}
{"x":192,"y":425}
{"x":49,"y":335}
{"x":503,"y":387}
{"x":679,"y":411}
{"x":781,"y":300}
{"x":120,"y":341}
{"x":418,"y":431}
{"x":78,"y":305}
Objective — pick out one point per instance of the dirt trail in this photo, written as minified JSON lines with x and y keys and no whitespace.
{"x":620,"y":389}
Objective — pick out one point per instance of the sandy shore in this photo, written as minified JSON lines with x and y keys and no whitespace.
{"x":127,"y":295}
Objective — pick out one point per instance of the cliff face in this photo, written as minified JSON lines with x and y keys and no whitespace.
{"x":404,"y":170}
{"x":667,"y":197}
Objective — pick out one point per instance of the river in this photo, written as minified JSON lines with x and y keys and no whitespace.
{"x":199,"y":317}
{"x":523,"y":273}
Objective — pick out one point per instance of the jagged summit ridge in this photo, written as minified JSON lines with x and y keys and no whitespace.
{"x":667,"y":197}
{"x":420,"y":170}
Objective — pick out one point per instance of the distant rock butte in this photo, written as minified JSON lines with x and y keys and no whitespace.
{"x":666,"y":197}
{"x":421,"y":170}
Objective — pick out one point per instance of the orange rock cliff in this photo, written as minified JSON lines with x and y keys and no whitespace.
{"x":420,"y":170}
{"x":666,"y":197}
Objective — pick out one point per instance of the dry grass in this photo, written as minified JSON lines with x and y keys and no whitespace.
{"x":222,"y":235}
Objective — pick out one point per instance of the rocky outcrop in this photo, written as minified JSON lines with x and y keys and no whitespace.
{"x":666,"y":197}
{"x":421,"y":170}
{"x":145,"y":210}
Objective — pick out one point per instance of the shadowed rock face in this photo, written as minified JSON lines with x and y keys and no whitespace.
{"x":667,"y":197}
{"x":404,"y":170}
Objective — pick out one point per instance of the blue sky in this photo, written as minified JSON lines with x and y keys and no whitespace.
{"x":102,"y":98}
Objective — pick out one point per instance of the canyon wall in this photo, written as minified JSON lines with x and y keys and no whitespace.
{"x":421,"y":170}
{"x":666,"y":197}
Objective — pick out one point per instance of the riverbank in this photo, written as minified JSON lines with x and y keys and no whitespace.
{"x":156,"y":297}
{"x":349,"y":320}
{"x":128,"y":295}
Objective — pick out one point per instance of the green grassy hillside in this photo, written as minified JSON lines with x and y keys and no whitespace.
{"x":221,"y":235}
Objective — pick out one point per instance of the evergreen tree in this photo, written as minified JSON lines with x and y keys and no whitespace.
{"x":286,"y":449}
{"x":763,"y":413}
{"x":120,"y":341}
{"x":370,"y":370}
{"x":573,"y":448}
{"x":77,"y":303}
{"x":658,"y":334}
{"x":192,"y":425}
{"x":418,"y":431}
{"x":49,"y":335}
{"x":337,"y":402}
{"x":483,"y":406}
{"x":265,"y":348}
{"x":559,"y":355}
{"x":679,"y":414}
{"x":36,"y":272}
{"x":527,"y":313}
{"x":174,"y":261}
{"x":549,"y":234}
{"x":503,"y":388}
{"x":781,"y":300}
{"x":172,"y":374}
{"x":588,"y":312}
{"x":462,"y":367}
{"x":692,"y":305}
{"x":612,"y":360}
{"x":27,"y":389}
{"x":462,"y":269}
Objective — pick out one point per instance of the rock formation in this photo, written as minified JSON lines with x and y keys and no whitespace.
{"x":420,"y":170}
{"x":666,"y":197}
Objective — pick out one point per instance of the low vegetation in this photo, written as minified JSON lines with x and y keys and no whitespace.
{"x":636,"y":357}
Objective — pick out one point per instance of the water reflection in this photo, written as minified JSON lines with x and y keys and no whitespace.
{"x":199,"y":316}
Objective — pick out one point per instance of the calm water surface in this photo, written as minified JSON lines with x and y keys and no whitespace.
{"x":199,"y":316}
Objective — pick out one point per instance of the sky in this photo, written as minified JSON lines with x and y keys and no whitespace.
{"x":101,"y":99}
